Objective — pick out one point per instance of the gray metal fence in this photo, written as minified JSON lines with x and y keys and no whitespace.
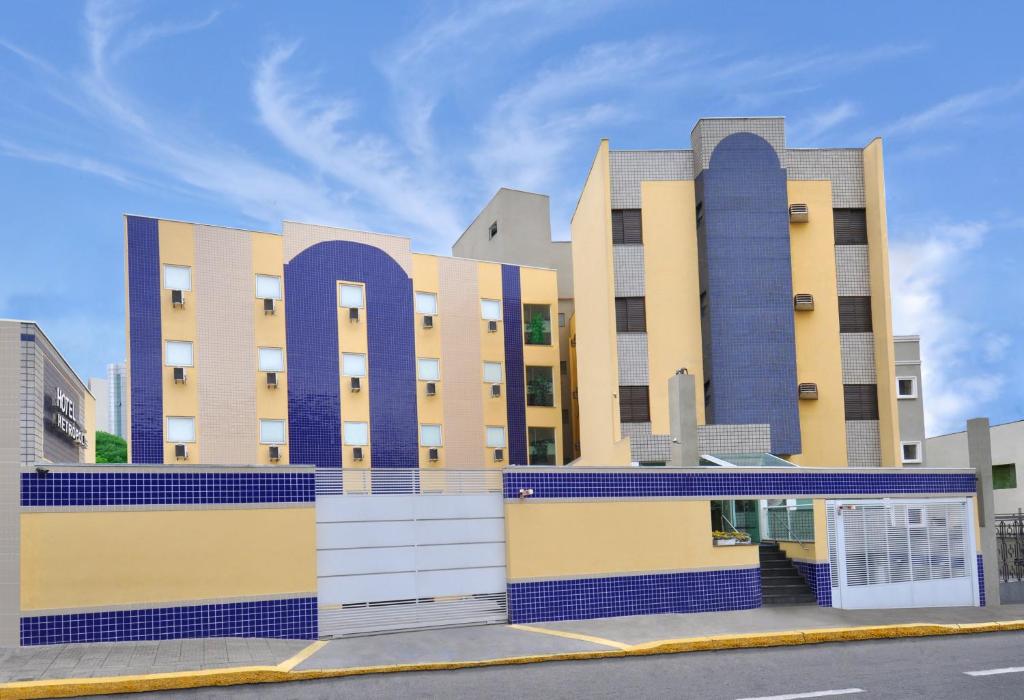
{"x":1010,"y":543}
{"x":790,"y":523}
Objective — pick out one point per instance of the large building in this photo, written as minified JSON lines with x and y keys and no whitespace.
{"x":761,"y":269}
{"x":333,"y":347}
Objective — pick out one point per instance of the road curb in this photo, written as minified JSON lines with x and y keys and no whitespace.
{"x":70,"y":687}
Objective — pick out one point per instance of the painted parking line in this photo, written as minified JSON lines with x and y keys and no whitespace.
{"x":996,"y":671}
{"x":289,"y":664}
{"x":814,"y":694}
{"x":573,"y":635}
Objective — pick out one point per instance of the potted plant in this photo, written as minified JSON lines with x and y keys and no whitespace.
{"x":721,"y":538}
{"x":537,"y":331}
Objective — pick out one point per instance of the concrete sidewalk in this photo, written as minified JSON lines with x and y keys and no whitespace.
{"x":90,"y":669}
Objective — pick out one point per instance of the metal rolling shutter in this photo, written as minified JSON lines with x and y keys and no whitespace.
{"x":861,"y":401}
{"x":630,"y":315}
{"x":634,"y":404}
{"x":627,"y":226}
{"x":854,"y":314}
{"x":850,"y":226}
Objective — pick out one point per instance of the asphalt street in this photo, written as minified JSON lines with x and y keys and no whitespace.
{"x":987,"y":666}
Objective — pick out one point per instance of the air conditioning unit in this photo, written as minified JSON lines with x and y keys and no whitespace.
{"x":180,"y":452}
{"x":808,"y":391}
{"x":803,"y":302}
{"x":492,"y":326}
{"x":428,"y":321}
{"x":357,"y":454}
{"x":798,"y":213}
{"x":430,"y":388}
{"x":433,"y":454}
{"x":495,"y":391}
{"x":177,"y":297}
{"x":274,"y":453}
{"x":179,"y":375}
{"x":268,"y":306}
{"x":499,"y":455}
{"x":355,"y":383}
{"x":271,"y":380}
{"x":353,"y":314}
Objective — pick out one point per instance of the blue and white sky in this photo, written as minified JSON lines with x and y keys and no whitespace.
{"x":406,"y":117}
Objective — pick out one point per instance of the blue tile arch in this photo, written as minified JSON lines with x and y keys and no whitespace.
{"x":744,"y":249}
{"x":314,"y":408}
{"x":515,"y":372}
{"x":145,"y":353}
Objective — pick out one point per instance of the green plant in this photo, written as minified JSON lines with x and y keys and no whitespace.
{"x":539,"y":389}
{"x":537,"y":331}
{"x":734,"y":535}
{"x":110,"y":449}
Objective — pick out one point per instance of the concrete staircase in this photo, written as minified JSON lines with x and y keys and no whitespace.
{"x":781,"y":583}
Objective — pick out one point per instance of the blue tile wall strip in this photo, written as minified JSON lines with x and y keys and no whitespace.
{"x":145,"y":353}
{"x":314,"y":408}
{"x":289,"y":618}
{"x":743,"y":241}
{"x":819,"y":579}
{"x":577,"y":484}
{"x":136,"y":489}
{"x":645,"y":594}
{"x":981,"y":582}
{"x":515,"y":372}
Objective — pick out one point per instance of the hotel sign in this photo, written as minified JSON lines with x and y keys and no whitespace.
{"x":61,"y":408}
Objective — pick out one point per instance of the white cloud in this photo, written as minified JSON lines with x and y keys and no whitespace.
{"x":820,"y":122}
{"x":954,"y":108}
{"x":924,"y":270}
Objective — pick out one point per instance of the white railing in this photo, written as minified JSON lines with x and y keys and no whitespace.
{"x":348,"y":481}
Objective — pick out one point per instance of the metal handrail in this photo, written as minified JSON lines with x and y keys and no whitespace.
{"x":788,"y":522}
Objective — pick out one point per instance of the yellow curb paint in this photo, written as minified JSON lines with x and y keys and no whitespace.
{"x":574,"y":635}
{"x":289,"y":664}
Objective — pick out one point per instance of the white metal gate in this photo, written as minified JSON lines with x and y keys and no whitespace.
{"x":902,"y":553}
{"x":408,"y":549}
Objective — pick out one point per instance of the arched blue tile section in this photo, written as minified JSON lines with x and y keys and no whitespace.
{"x":515,"y":373}
{"x":314,"y":408}
{"x":743,"y":239}
{"x":145,"y":353}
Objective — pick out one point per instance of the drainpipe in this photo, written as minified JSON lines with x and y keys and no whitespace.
{"x":979,"y":453}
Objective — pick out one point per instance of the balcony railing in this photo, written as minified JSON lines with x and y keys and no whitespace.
{"x":790,"y":523}
{"x":1010,"y":543}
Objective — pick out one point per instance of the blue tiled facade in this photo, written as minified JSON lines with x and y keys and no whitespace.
{"x":147,"y":438}
{"x":168,"y":488}
{"x":624,"y":484}
{"x":314,"y":408}
{"x":981,"y":582}
{"x":515,"y":372}
{"x":819,"y":579}
{"x":646,"y":594}
{"x":290,"y":618}
{"x":743,"y":242}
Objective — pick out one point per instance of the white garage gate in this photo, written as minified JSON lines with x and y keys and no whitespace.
{"x":902,"y":553}
{"x":410,"y":549}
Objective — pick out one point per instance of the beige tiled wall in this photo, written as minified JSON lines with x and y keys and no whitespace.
{"x":298,"y":237}
{"x":10,"y":449}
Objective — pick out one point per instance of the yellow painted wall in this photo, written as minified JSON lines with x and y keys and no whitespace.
{"x":268,"y":259}
{"x":881,"y":303}
{"x":539,"y":286}
{"x":492,"y":349}
{"x":818,"y":356}
{"x":816,"y":550}
{"x":430,"y":409}
{"x":601,"y":438}
{"x":84,"y":559}
{"x":552,"y":539}
{"x":177,"y":247}
{"x":355,"y":405}
{"x":671,"y":276}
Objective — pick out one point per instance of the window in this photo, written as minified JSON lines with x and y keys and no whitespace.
{"x":428,"y":369}
{"x":492,"y":372}
{"x":850,"y":226}
{"x":1004,"y":476}
{"x":634,"y":404}
{"x":178,"y":353}
{"x":178,"y":277}
{"x":271,"y":360}
{"x":854,"y":314}
{"x":911,"y":452}
{"x":350,"y":296}
{"x":492,"y":231}
{"x":860,"y":401}
{"x":353,"y":364}
{"x":539,"y":387}
{"x":542,"y":445}
{"x":355,"y":433}
{"x":561,"y":320}
{"x":181,"y":429}
{"x":495,"y":436}
{"x":430,"y":435}
{"x":906,"y":387}
{"x":537,"y":324}
{"x":426,"y":303}
{"x":268,"y":287}
{"x":490,"y":309}
{"x":271,"y":432}
{"x":630,"y":315}
{"x":627,"y":226}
